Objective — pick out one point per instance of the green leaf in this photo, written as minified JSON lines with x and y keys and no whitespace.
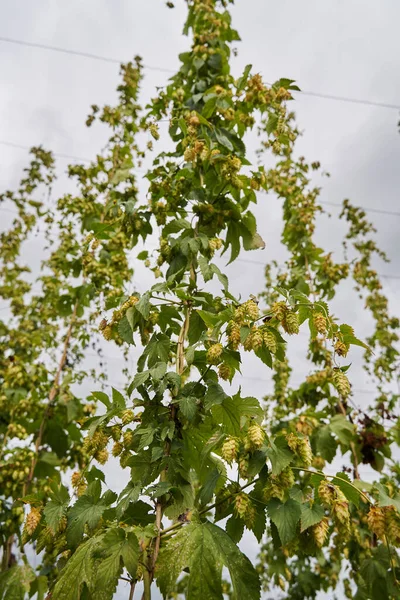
{"x":203,"y":549}
{"x":188,"y":407}
{"x":15,"y":582}
{"x":230,"y":411}
{"x":125,"y":330}
{"x":158,"y":371}
{"x":385,"y":499}
{"x":78,"y":570}
{"x":118,"y":400}
{"x":130,"y":493}
{"x":311,"y":515}
{"x":175,"y":226}
{"x":279,"y":455}
{"x":116,"y":548}
{"x":214,"y":395}
{"x":326,"y":443}
{"x":139,"y":379}
{"x":285,"y":516}
{"x":56,"y":508}
{"x":235,"y":528}
{"x":102,"y":396}
{"x":143,"y":306}
{"x":342,"y":428}
{"x":87,"y":510}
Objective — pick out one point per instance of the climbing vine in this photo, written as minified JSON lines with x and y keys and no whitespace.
{"x":201,"y":462}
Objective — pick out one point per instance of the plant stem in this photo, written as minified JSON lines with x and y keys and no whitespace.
{"x":52,"y":395}
{"x":147,"y":585}
{"x":132,"y":590}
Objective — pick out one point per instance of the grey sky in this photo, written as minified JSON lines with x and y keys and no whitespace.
{"x":342,"y":47}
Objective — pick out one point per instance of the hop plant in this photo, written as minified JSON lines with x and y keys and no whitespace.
{"x":320,"y":531}
{"x":224,"y":371}
{"x":301,"y":447}
{"x":251,"y":310}
{"x":76,"y":479}
{"x":320,"y":323}
{"x":234,"y":334}
{"x":256,"y":338}
{"x":341,"y":513}
{"x":102,"y":456}
{"x":242,"y":503}
{"x":279,"y":310}
{"x":32,"y":520}
{"x":117,"y":449}
{"x":270,"y":341}
{"x":341,"y":383}
{"x":392,"y":525}
{"x":255,"y":435}
{"x":116,"y":432}
{"x":327,"y":492}
{"x":127,"y":438}
{"x":243,"y":466}
{"x":340,"y":348}
{"x":304,"y":452}
{"x":127,"y":416}
{"x":291,"y":323}
{"x":230,"y":449}
{"x":214,"y":354}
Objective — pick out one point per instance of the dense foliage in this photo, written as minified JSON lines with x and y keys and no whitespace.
{"x":201,"y":465}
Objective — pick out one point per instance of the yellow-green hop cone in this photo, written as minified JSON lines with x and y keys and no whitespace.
{"x":117,"y":449}
{"x":270,"y":341}
{"x":127,"y":438}
{"x":256,"y":435}
{"x":116,"y":432}
{"x":251,"y":309}
{"x":224,"y":371}
{"x":127,"y":416}
{"x":234,"y":335}
{"x":256,"y":338}
{"x":326,"y":492}
{"x":279,"y":310}
{"x":229,"y":450}
{"x":214,"y":354}
{"x":242,"y":503}
{"x":102,"y":456}
{"x":304,"y":452}
{"x":243,"y":467}
{"x":376,"y":520}
{"x":341,"y":383}
{"x":291,"y":323}
{"x":320,"y":531}
{"x":340,"y":348}
{"x":341,"y":512}
{"x":32,"y":520}
{"x":393,"y":525}
{"x":320,"y":323}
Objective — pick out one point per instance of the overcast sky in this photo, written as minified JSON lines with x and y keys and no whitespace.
{"x":341,"y":47}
